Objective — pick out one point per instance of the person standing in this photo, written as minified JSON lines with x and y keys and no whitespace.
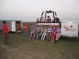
{"x":48,"y":19}
{"x":56,"y":19}
{"x":32,"y":32}
{"x":37,"y":31}
{"x":40,"y":32}
{"x":18,"y":27}
{"x":5,"y":30}
{"x":53,"y":34}
{"x":26,"y":29}
{"x":44,"y":33}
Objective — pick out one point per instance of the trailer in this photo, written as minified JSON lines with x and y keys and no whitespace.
{"x":70,"y":28}
{"x":14,"y":25}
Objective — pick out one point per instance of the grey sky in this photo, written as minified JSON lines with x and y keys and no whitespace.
{"x":29,"y":10}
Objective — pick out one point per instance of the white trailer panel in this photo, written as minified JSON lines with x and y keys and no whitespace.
{"x":69,"y":28}
{"x":13,"y":26}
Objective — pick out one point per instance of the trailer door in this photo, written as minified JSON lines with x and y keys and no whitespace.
{"x":13,"y":26}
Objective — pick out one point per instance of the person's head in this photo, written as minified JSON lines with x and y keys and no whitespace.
{"x":54,"y":26}
{"x":57,"y":26}
{"x":57,"y":18}
{"x":4,"y":22}
{"x":48,"y":17}
{"x":37,"y":20}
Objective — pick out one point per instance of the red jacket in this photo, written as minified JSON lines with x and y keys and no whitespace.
{"x":25,"y":27}
{"x":5,"y":28}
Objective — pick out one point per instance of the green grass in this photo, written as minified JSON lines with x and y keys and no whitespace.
{"x":21,"y":47}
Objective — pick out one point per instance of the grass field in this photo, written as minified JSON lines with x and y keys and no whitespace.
{"x":21,"y":47}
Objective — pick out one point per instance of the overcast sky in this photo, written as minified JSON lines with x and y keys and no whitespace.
{"x":29,"y":10}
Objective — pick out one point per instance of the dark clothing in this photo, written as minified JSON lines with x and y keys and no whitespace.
{"x":56,"y":20}
{"x":5,"y":38}
{"x":48,"y":20}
